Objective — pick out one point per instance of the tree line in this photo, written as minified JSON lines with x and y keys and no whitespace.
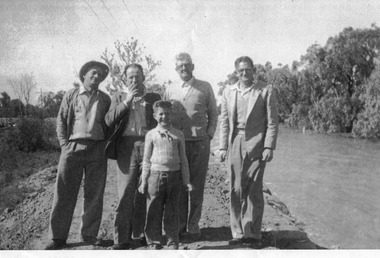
{"x":333,"y":88}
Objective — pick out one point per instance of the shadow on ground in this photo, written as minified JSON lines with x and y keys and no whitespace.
{"x":280,"y":239}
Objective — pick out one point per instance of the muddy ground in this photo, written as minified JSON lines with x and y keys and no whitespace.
{"x":26,"y":227}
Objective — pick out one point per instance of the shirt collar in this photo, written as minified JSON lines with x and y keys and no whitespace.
{"x":160,"y":129}
{"x":189,"y":82}
{"x":83,"y":90}
{"x":236,"y":87}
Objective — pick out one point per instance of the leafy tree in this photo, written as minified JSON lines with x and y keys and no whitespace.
{"x":341,"y":68}
{"x":368,"y":122}
{"x":16,"y":108}
{"x":4,"y":105}
{"x":50,"y":103}
{"x":22,"y":86}
{"x":128,"y":52}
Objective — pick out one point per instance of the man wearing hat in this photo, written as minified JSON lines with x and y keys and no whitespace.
{"x":81,"y":131}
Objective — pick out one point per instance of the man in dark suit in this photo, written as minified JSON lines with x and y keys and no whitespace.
{"x":133,"y":108}
{"x":248,"y":130}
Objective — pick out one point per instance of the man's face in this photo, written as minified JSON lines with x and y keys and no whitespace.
{"x":184,"y":69}
{"x":134,"y":76}
{"x":245,"y":72}
{"x":163,"y":116}
{"x":92,"y":77}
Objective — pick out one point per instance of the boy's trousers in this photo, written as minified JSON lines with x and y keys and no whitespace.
{"x":78,"y":158}
{"x":163,"y":189}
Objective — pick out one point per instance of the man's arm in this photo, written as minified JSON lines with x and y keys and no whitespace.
{"x":272,"y":124}
{"x":212,"y":113}
{"x":224,"y":127}
{"x":148,"y":150}
{"x":62,"y":120}
{"x":184,"y":162}
{"x":118,"y":109}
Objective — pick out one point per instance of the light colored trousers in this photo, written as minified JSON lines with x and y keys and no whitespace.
{"x":78,"y":158}
{"x":246,"y":183}
{"x":190,"y":204}
{"x":131,"y":210}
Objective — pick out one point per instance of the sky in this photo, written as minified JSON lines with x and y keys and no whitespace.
{"x":53,"y":38}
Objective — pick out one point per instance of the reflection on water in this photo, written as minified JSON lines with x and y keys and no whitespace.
{"x":330,"y":183}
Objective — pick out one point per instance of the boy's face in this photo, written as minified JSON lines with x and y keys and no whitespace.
{"x":163,"y":116}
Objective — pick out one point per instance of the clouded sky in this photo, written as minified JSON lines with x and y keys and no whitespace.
{"x":54,"y":38}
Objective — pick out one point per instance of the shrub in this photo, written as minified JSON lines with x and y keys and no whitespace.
{"x":27,"y":135}
{"x":31,"y":134}
{"x":330,"y":115}
{"x":368,"y":123}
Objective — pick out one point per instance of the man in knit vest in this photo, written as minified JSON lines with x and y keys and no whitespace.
{"x":195,"y":114}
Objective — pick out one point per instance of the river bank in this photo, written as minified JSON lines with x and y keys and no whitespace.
{"x":330,"y":183}
{"x":25,"y":228}
{"x":321,"y":193}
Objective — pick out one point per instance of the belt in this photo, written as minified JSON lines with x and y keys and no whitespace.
{"x":239,"y":131}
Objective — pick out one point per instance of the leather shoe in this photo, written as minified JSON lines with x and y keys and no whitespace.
{"x":254,"y":243}
{"x":142,"y":241}
{"x":56,"y":244}
{"x":123,"y":246}
{"x":155,"y":247}
{"x":236,"y":241}
{"x":92,"y":240}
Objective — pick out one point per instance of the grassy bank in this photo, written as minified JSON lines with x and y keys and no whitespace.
{"x":16,"y":165}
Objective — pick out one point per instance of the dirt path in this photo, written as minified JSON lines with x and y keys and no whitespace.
{"x":26,"y":227}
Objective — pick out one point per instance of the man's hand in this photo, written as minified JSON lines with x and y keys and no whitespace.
{"x":142,"y":188}
{"x":222,"y":155}
{"x":267,"y":155}
{"x":131,"y":92}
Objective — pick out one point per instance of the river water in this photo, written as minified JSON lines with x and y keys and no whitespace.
{"x":330,"y":183}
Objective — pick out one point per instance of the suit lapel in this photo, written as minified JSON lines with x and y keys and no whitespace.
{"x":233,"y":106}
{"x":252,"y":100}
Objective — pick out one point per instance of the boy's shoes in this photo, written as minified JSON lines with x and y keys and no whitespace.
{"x":155,"y":247}
{"x":56,"y":244}
{"x":236,"y":241}
{"x":123,"y":246}
{"x":254,"y":243}
{"x":92,"y":240}
{"x":173,"y":247}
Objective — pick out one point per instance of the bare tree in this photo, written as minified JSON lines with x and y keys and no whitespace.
{"x":22,"y":86}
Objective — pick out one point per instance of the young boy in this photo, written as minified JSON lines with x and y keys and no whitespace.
{"x":164,"y":165}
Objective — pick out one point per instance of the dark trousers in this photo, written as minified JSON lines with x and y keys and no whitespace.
{"x":131,"y":210}
{"x":247,"y":201}
{"x":78,"y":158}
{"x":163,"y":189}
{"x":190,"y":204}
